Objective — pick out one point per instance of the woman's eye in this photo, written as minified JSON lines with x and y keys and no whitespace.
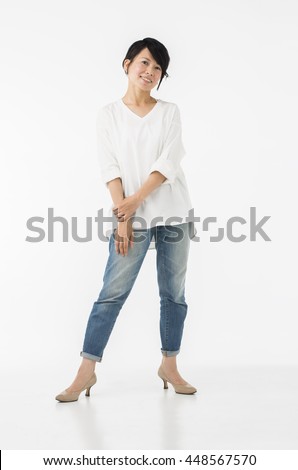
{"x":146,"y":62}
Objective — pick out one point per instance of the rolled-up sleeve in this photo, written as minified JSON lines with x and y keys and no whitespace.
{"x":173,"y":150}
{"x":109,"y":167}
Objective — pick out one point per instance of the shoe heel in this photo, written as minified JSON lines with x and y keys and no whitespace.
{"x":66,"y":396}
{"x":185,"y":389}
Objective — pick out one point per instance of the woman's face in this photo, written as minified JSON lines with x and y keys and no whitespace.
{"x":143,"y":71}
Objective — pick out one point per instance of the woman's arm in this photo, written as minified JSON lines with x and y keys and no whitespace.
{"x":154,"y":180}
{"x":116,"y":190}
{"x":128,"y":206}
{"x":124,"y":233}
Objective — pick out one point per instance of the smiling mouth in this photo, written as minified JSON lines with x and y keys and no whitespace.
{"x":146,"y":80}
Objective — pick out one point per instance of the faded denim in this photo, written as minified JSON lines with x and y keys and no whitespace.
{"x":172,"y":243}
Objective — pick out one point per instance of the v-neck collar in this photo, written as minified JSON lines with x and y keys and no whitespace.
{"x":136,"y":115}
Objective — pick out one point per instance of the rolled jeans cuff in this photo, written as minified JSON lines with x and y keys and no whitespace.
{"x":169,"y":353}
{"x":90,"y":356}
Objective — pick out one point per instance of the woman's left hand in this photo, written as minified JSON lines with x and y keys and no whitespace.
{"x":126,"y":208}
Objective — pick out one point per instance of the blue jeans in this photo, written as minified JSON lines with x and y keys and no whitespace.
{"x":172,"y":249}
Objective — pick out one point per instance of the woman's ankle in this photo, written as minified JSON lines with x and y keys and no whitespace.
{"x":87,"y":366}
{"x":169,"y":362}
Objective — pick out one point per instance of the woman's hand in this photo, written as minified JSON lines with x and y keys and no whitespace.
{"x":124,"y":237}
{"x":127,"y":208}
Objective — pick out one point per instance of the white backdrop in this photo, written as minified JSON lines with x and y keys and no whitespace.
{"x":233,"y":73}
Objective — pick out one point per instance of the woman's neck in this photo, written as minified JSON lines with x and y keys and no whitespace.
{"x":138,"y":98}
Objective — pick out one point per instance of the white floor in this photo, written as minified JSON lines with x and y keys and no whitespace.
{"x":235,"y":408}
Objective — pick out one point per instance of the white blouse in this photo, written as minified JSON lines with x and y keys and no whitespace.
{"x":131,"y":147}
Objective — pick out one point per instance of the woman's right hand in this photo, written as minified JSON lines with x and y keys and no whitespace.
{"x":124,"y":237}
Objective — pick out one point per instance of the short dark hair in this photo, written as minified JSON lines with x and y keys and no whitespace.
{"x":158,"y":51}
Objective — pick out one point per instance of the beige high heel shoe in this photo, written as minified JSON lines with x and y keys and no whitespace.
{"x":66,"y":396}
{"x":185,"y":389}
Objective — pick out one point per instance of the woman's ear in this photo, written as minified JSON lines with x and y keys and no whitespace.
{"x":125,"y":65}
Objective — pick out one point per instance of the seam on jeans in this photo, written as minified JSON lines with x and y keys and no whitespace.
{"x":164,"y":299}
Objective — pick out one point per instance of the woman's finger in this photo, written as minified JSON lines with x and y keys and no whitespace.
{"x":119,"y":248}
{"x":125,"y":248}
{"x":118,"y":242}
{"x":131,"y":241}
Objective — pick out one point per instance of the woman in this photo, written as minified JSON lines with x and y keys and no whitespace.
{"x":140,"y":150}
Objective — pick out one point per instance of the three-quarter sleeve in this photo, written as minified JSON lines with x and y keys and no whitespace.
{"x":108,"y":162}
{"x":173,"y":150}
